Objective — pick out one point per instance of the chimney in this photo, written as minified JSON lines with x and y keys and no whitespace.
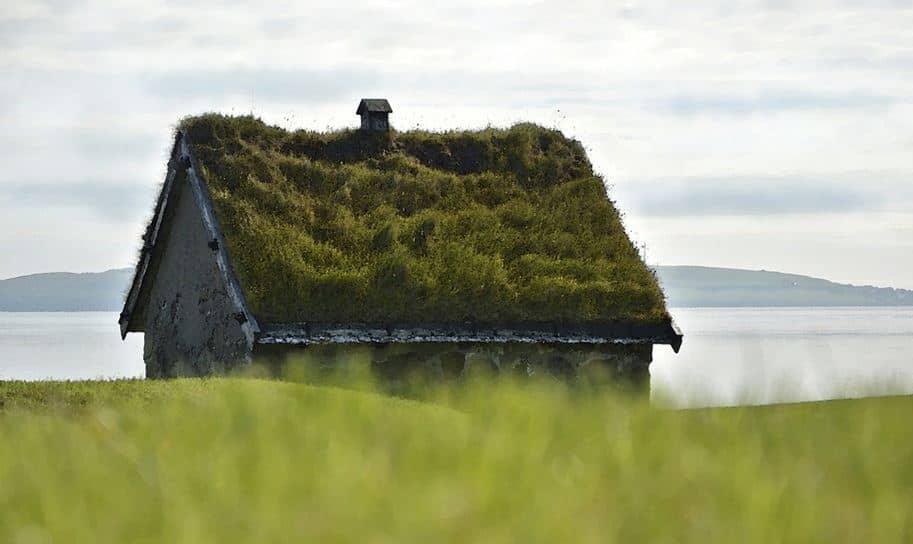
{"x":374,"y":113}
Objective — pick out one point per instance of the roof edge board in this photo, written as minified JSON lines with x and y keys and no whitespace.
{"x":150,"y":239}
{"x":305,"y":333}
{"x":677,"y":334}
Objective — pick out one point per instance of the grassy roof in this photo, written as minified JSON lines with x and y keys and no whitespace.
{"x":490,"y":226}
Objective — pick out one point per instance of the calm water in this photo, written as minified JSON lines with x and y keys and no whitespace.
{"x":730,"y":356}
{"x":67,"y":346}
{"x":764,"y":355}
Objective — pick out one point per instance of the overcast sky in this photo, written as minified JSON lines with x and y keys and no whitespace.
{"x":770,"y":135}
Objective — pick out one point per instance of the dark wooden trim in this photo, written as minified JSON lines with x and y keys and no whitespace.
{"x":545,"y":333}
{"x":150,"y":239}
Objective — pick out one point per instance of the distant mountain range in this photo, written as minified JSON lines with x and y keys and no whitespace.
{"x":65,"y":292}
{"x":696,"y":286}
{"x":685,"y":286}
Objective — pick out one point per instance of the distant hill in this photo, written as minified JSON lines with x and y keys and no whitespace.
{"x":693,"y":286}
{"x":685,"y":286}
{"x":65,"y":292}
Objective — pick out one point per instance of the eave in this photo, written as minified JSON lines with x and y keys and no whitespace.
{"x":360,"y":333}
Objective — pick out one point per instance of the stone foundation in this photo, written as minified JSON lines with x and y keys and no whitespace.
{"x":626,"y":366}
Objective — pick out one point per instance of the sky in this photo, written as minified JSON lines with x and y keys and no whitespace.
{"x":771,"y":135}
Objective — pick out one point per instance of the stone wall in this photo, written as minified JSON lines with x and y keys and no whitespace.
{"x":191,"y":324}
{"x":626,"y":366}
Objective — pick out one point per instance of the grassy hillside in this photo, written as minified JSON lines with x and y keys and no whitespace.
{"x":728,"y":287}
{"x":487,"y":226}
{"x":65,"y":292}
{"x":254,"y":461}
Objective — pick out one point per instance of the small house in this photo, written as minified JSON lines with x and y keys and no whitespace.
{"x":496,"y":248}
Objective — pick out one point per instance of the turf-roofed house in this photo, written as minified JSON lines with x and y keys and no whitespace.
{"x":495,"y":249}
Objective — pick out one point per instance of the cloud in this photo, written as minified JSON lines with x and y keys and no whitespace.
{"x":16,"y":30}
{"x":306,"y":86}
{"x":58,"y":28}
{"x":108,"y":201}
{"x":116,"y":144}
{"x":750,"y":196}
{"x":770,"y":101}
{"x":881,"y":63}
{"x":692,"y":105}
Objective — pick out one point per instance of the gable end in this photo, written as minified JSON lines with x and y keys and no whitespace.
{"x":182,"y":168}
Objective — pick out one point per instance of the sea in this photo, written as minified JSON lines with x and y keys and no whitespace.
{"x":729,"y":356}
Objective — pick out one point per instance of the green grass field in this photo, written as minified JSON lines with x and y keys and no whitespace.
{"x":245,"y":460}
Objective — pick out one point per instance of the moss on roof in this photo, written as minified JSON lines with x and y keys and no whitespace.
{"x":490,"y":226}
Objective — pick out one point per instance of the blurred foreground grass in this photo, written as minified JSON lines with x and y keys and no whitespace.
{"x":244,"y":460}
